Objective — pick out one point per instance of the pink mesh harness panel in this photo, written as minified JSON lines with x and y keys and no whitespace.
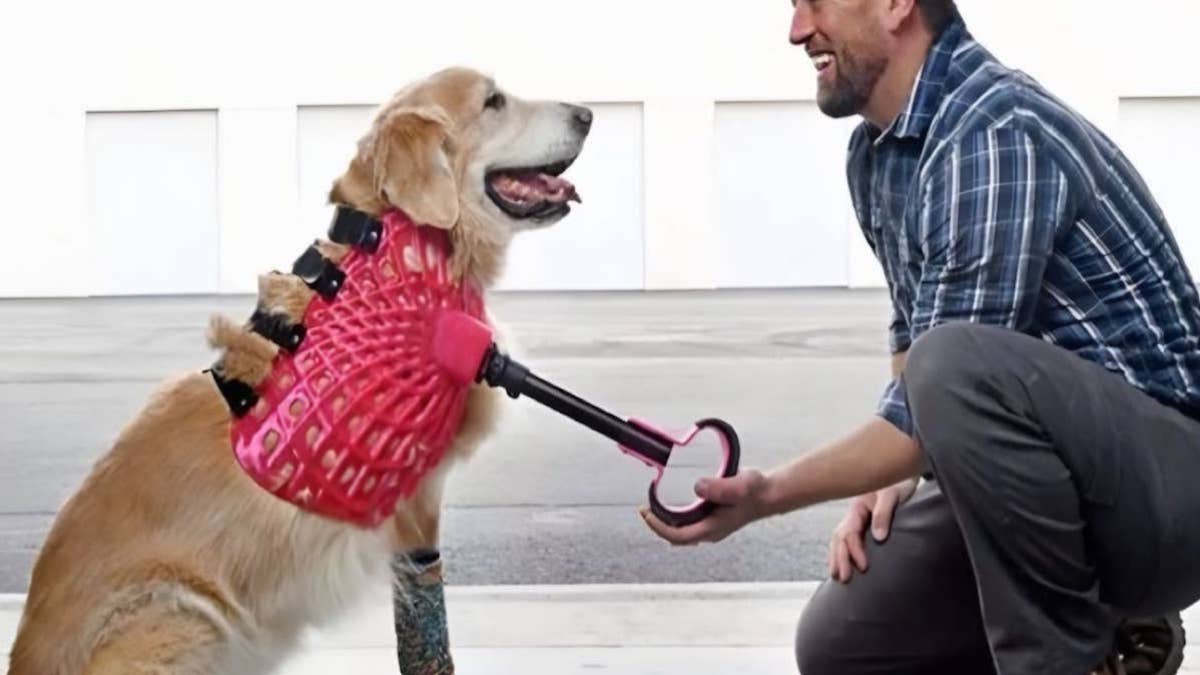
{"x":350,"y":423}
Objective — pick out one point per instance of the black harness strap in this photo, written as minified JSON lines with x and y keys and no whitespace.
{"x":350,"y":227}
{"x":355,"y":228}
{"x":237,"y":394}
{"x":319,"y":272}
{"x":277,"y":329}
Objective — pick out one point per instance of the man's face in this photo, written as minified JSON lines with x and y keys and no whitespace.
{"x":847,"y":42}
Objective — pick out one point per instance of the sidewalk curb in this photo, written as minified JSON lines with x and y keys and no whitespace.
{"x":595,"y":616}
{"x":659,"y":627}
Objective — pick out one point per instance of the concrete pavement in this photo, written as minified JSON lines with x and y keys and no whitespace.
{"x":546,"y":502}
{"x":550,"y":569}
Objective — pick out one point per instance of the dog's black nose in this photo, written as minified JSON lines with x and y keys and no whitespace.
{"x":581,"y":117}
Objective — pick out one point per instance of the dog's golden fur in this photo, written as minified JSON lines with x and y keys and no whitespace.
{"x":168,"y":558}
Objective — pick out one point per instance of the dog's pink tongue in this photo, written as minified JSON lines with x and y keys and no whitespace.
{"x":557,"y":190}
{"x":530,"y":186}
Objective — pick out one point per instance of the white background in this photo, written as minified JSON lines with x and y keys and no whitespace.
{"x":205,"y":135}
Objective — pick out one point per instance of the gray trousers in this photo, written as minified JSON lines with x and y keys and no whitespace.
{"x":1064,"y":500}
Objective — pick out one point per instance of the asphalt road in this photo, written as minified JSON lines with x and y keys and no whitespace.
{"x":546,"y":501}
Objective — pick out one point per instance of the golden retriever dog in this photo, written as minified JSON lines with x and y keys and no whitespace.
{"x":169,"y":559}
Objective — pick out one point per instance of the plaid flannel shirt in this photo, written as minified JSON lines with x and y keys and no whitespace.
{"x":988,"y":200}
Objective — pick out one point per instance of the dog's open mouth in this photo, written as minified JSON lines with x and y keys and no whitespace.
{"x":534,"y":193}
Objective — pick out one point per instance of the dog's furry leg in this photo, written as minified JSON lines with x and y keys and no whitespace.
{"x":422,"y":633}
{"x":418,"y":599}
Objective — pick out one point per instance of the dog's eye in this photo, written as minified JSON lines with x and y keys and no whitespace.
{"x":495,"y":102}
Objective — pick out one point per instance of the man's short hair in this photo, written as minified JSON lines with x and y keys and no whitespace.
{"x":937,"y":13}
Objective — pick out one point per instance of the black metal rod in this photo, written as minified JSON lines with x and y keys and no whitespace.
{"x":630,"y":436}
{"x":501,"y":371}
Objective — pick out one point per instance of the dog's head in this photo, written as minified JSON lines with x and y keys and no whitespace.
{"x":455,"y":151}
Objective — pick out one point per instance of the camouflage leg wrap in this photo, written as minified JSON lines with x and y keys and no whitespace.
{"x":422,"y":635}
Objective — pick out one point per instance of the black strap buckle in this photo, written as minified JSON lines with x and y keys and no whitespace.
{"x":355,"y":228}
{"x":319,"y":273}
{"x":277,"y":329}
{"x":237,"y":394}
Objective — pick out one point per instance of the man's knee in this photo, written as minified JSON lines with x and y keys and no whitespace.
{"x":950,"y":353}
{"x":872,"y":630}
{"x":953,"y":374}
{"x":832,"y":637}
{"x":819,"y":647}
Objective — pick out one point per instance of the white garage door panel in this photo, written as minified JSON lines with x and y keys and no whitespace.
{"x":1159,"y":135}
{"x":327,"y":138}
{"x":600,"y":246}
{"x":152,"y":188}
{"x":257,"y":194}
{"x":780,"y":195}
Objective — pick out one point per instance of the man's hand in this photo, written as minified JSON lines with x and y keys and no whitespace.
{"x":741,"y":499}
{"x":875,"y":509}
{"x":870,"y":458}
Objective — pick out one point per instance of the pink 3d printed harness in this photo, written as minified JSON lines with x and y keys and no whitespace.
{"x":356,"y":411}
{"x":369,"y":390}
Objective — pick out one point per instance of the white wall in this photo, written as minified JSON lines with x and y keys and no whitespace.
{"x":709,"y":165}
{"x":1159,"y":135}
{"x":781,"y":227}
{"x":152,"y":188}
{"x":601,"y":245}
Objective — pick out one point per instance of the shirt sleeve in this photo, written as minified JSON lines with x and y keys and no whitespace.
{"x":899,"y":337}
{"x":991,"y":210}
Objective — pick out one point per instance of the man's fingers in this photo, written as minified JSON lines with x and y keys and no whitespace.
{"x":681,"y":536}
{"x":725,"y":491}
{"x":881,"y":516}
{"x":859,"y":516}
{"x":843,"y":562}
{"x":849,"y":530}
{"x":836,"y":553}
{"x":854,"y":543}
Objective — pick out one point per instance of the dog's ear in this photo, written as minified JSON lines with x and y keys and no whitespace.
{"x":411,"y":165}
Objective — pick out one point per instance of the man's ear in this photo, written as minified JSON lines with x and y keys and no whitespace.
{"x":897,"y":12}
{"x":411,"y":168}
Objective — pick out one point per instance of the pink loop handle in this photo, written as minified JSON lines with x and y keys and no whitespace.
{"x":701,"y":508}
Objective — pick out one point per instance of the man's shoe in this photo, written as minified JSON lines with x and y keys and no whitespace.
{"x":1146,"y":647}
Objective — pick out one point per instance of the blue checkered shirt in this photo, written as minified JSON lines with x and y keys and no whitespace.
{"x":988,"y":200}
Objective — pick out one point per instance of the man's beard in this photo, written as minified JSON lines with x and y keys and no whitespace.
{"x":853,"y":85}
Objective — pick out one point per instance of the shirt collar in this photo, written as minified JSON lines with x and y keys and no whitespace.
{"x":927,"y":92}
